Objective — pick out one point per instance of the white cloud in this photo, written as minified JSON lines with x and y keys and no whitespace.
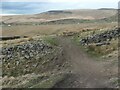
{"x":109,"y":1}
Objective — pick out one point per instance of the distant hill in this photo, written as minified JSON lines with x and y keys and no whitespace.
{"x":84,"y":14}
{"x":107,"y":9}
{"x":58,"y":12}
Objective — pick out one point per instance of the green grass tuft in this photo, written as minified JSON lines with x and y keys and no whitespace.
{"x":51,"y":40}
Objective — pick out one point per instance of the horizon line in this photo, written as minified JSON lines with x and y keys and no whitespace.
{"x":9,"y":14}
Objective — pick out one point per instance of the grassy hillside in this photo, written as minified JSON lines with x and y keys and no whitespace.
{"x":90,"y":14}
{"x":60,"y":48}
{"x":34,"y":30}
{"x":32,"y":63}
{"x":96,"y":45}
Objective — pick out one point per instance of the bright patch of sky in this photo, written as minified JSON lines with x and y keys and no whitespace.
{"x":15,"y":7}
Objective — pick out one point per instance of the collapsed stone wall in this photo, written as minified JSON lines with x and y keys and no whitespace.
{"x":102,"y":38}
{"x":27,"y":58}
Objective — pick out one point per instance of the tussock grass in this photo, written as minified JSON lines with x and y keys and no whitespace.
{"x":44,"y":80}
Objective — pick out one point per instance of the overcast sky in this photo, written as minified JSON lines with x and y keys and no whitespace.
{"x":38,"y":6}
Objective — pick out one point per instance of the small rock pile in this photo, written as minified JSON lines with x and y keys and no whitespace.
{"x":102,"y":38}
{"x":27,"y":55}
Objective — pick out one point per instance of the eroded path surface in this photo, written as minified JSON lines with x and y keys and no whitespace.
{"x":86,"y":72}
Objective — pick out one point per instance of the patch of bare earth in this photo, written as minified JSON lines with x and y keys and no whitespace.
{"x":85,"y":72}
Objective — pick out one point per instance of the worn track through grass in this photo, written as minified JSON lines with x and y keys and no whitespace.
{"x":86,"y":72}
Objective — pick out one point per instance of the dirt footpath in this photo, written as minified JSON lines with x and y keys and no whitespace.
{"x":86,"y":72}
